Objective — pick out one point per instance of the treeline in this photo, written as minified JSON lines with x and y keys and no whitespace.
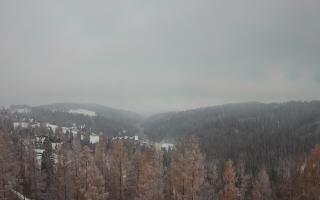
{"x":120,"y":170}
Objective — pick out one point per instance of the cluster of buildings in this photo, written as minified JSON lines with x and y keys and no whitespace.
{"x":74,"y":130}
{"x":26,"y":123}
{"x":164,"y":146}
{"x":145,"y":142}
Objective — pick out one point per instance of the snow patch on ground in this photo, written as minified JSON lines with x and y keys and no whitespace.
{"x":19,"y":195}
{"x":83,"y":112}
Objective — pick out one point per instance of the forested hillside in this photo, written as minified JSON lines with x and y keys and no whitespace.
{"x":231,"y":152}
{"x":99,"y":118}
{"x":258,"y":133}
{"x":255,"y":132}
{"x":123,"y":170}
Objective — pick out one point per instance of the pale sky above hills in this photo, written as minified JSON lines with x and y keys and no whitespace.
{"x":159,"y":55}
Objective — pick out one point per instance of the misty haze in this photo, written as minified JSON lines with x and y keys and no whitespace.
{"x":160,"y":100}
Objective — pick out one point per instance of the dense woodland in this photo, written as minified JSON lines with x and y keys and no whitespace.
{"x":259,"y":134}
{"x":117,"y":169}
{"x":237,"y":151}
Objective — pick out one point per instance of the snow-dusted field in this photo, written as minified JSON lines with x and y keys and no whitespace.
{"x":83,"y":112}
{"x":21,"y":110}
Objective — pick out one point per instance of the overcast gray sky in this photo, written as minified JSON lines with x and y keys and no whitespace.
{"x":158,"y":55}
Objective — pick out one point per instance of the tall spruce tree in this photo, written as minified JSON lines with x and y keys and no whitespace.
{"x":91,"y":179}
{"x":262,"y":187}
{"x":229,"y":190}
{"x":8,"y":167}
{"x":150,"y":175}
{"x":119,"y":170}
{"x":187,"y":169}
{"x":47,"y":169}
{"x":310,"y":178}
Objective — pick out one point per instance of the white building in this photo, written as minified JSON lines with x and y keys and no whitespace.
{"x":20,"y":124}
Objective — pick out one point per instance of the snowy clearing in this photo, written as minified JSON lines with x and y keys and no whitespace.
{"x":83,"y":112}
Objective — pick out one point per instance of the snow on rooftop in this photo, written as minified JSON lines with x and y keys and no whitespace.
{"x":74,"y":132}
{"x":136,"y":138}
{"x":55,"y":145}
{"x":39,"y":153}
{"x":164,"y":146}
{"x":65,"y":129}
{"x":83,"y":112}
{"x":35,"y":125}
{"x":167,"y":146}
{"x":52,"y":126}
{"x":94,"y":139}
